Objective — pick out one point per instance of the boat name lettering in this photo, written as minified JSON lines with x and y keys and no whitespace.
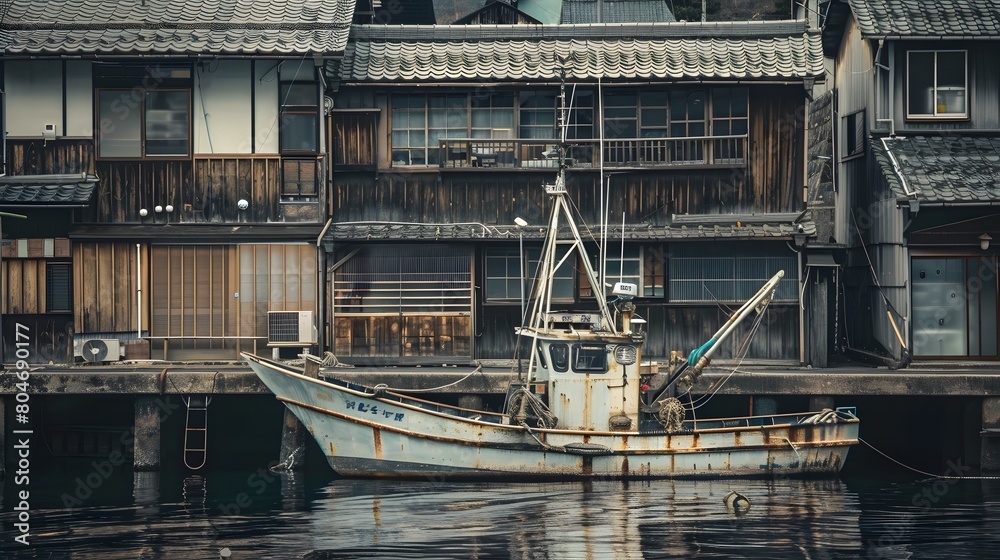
{"x":372,"y":408}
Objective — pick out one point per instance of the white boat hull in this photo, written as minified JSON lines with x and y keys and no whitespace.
{"x":366,"y":435}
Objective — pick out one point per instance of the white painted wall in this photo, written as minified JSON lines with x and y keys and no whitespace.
{"x":266,"y":106}
{"x":34,"y":96}
{"x":221,"y":108}
{"x":79,"y":99}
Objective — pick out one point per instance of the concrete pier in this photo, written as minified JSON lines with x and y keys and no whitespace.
{"x":819,"y":403}
{"x":990,"y":453}
{"x":293,"y":437}
{"x":764,"y":406}
{"x":147,"y":434}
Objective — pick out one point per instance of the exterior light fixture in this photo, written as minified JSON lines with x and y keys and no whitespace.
{"x":143,"y":212}
{"x":158,"y":209}
{"x":984,"y":241}
{"x":169,"y":208}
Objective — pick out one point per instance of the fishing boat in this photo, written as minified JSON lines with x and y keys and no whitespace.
{"x":583,"y":408}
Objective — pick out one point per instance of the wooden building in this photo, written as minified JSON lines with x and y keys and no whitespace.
{"x":171,"y":160}
{"x":687,"y":140}
{"x":918,"y":176}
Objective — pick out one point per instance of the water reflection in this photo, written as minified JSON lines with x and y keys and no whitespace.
{"x":599,"y":520}
{"x":261,"y":516}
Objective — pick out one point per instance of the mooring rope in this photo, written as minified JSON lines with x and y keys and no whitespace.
{"x":925,"y":473}
{"x":382,"y":387}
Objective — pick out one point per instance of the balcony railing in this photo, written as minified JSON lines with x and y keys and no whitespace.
{"x":463,"y":153}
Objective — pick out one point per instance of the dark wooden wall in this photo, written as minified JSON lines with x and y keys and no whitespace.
{"x":647,"y":197}
{"x":38,"y":157}
{"x":104,"y":286}
{"x":202,"y":189}
{"x":670,"y":327}
{"x":352,"y":139}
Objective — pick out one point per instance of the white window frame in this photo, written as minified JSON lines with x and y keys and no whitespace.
{"x":935,"y":114}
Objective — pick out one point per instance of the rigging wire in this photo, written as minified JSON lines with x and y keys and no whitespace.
{"x":744,"y":350}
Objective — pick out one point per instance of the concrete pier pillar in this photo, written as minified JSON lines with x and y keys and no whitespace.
{"x":817,"y":403}
{"x":473,"y":402}
{"x":990,"y":453}
{"x":764,"y":406}
{"x":293,"y":439}
{"x":147,"y":434}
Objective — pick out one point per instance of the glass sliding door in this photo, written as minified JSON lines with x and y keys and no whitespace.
{"x":954,"y":307}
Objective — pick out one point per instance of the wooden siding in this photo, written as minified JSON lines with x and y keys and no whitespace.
{"x":202,"y":190}
{"x":42,"y":157}
{"x":104,"y":287}
{"x":669,"y":328}
{"x":25,"y":283}
{"x":777,"y":144}
{"x":497,"y":198}
{"x":352,"y":142}
{"x":51,"y":337}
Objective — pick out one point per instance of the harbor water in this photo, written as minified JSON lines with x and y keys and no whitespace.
{"x":251,"y":512}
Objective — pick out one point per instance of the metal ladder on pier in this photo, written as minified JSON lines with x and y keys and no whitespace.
{"x":196,"y":431}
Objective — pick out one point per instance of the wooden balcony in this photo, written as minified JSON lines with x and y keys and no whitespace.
{"x":712,"y":151}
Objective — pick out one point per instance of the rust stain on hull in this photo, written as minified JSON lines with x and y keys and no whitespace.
{"x":377,"y":437}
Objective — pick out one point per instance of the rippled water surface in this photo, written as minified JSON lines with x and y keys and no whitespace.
{"x":261,"y":515}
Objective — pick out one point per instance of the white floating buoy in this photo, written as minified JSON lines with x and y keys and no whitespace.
{"x":225,"y":553}
{"x":736,"y":502}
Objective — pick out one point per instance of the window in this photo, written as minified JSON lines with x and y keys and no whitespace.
{"x":492,"y":116}
{"x":299,"y":177}
{"x":563,"y":279}
{"x":560,"y":357}
{"x":58,"y":288}
{"x":537,"y":112}
{"x":404,"y":301}
{"x":504,"y":278}
{"x":687,"y":119}
{"x":590,"y":358}
{"x":653,"y":272}
{"x":730,"y":108}
{"x":854,"y":134}
{"x":620,"y":114}
{"x":732,"y":273}
{"x":299,"y":131}
{"x":135,"y":123}
{"x":936,"y":84}
{"x":653,"y":122}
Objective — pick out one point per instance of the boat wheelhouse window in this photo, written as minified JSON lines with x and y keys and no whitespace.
{"x":731,"y":273}
{"x":560,"y":356}
{"x":589,"y":358}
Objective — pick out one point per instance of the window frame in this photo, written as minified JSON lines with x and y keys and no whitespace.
{"x":855,"y":134}
{"x":508,"y":256}
{"x":298,"y":109}
{"x":935,"y":115}
{"x":49,"y":287}
{"x":140,"y":106}
{"x":730,"y":259}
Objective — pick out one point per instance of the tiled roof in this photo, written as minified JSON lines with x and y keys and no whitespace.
{"x":948,"y":169}
{"x":927,"y":18}
{"x":175,"y":26}
{"x":782,"y":226}
{"x":729,"y":50}
{"x":44,"y":190}
{"x":615,"y":11}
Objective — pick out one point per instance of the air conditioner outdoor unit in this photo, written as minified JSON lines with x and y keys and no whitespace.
{"x":290,"y":328}
{"x":97,"y":350}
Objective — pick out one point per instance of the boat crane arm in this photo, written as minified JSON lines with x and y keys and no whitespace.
{"x":702,"y":356}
